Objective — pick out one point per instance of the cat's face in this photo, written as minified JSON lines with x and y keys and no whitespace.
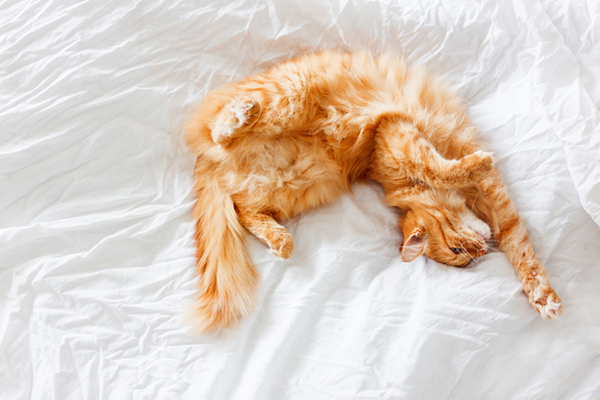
{"x":445,"y":230}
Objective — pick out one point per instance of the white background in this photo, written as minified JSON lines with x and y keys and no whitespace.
{"x":96,"y":235}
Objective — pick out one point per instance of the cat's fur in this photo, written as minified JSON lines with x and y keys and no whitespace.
{"x":296,"y":136}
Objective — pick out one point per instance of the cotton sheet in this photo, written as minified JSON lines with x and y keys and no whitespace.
{"x":96,"y":233}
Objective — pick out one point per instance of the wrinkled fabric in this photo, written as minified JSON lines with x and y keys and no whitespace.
{"x":96,"y":233}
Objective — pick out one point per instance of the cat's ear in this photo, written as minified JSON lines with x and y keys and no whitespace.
{"x":413,"y":246}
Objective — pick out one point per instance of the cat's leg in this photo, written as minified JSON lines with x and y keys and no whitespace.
{"x":259,"y":106}
{"x":403,"y":193}
{"x":234,"y":118}
{"x":513,"y":239}
{"x":400,"y":150}
{"x":268,"y":231}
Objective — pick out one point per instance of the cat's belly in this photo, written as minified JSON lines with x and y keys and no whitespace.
{"x":287,"y":183}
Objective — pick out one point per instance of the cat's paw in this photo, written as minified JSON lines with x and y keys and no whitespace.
{"x":245,"y":111}
{"x":546,"y":302}
{"x":237,"y":114}
{"x":479,"y":164}
{"x":282,"y":245}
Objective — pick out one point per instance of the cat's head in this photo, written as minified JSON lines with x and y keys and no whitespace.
{"x":443,"y":227}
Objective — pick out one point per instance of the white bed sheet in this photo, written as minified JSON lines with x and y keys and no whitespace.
{"x":96,"y":249}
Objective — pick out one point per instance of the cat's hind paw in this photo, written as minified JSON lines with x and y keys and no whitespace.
{"x":237,"y":114}
{"x":244,"y":110}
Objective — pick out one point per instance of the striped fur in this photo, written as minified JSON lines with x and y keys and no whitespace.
{"x":298,"y":135}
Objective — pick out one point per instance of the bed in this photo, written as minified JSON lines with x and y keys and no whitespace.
{"x":96,"y":234}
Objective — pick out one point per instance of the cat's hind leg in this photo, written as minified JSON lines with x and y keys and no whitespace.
{"x":268,"y":231}
{"x":235,"y":117}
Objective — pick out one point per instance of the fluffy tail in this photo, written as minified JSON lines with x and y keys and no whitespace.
{"x":227,"y":278}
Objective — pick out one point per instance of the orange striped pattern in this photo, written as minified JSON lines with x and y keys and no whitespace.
{"x":297,"y":135}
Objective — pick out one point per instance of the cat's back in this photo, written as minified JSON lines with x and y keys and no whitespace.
{"x":334,"y":75}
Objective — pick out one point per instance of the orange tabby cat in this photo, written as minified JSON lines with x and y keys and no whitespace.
{"x":296,"y":136}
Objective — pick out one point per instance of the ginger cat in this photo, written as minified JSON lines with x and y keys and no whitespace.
{"x":298,"y":135}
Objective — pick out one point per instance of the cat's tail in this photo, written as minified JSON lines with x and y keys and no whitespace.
{"x":228,"y":280}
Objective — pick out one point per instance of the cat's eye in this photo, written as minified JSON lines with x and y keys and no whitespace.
{"x":456,"y":250}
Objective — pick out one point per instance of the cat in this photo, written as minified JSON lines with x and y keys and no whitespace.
{"x":295,"y":137}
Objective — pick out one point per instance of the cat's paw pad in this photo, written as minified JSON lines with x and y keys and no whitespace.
{"x":282,"y":246}
{"x":546,"y":302}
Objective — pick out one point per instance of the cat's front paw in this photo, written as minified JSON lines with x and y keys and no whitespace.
{"x":237,"y":114}
{"x":479,"y":164}
{"x":546,"y":302}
